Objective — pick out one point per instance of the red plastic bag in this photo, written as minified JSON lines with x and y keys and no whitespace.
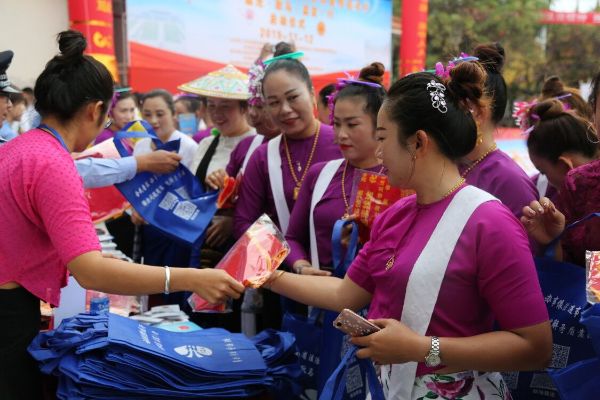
{"x":251,"y":260}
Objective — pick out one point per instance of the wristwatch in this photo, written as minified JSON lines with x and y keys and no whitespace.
{"x":432,"y":359}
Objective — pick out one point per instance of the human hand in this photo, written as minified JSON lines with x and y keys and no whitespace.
{"x":303,"y":267}
{"x":137,"y":219}
{"x":158,"y":162}
{"x":216,"y":285}
{"x":220,"y":229}
{"x":395,"y":343}
{"x":543,"y":221}
{"x":216,"y":179}
{"x":347,"y":231}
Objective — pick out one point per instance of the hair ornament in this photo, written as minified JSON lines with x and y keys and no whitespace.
{"x":290,"y":56}
{"x":438,"y":98}
{"x":256,"y":73}
{"x":342,"y":83}
{"x":525,"y":119}
{"x":444,"y":72}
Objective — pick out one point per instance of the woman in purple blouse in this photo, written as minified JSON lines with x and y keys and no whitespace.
{"x":325,"y":197}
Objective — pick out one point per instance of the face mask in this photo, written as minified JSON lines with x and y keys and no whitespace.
{"x":188,"y":123}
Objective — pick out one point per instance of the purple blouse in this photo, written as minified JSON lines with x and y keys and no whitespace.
{"x":501,"y":176}
{"x":491,"y":275}
{"x":328,"y":210}
{"x":238,"y":155}
{"x":256,"y":196}
{"x":578,"y":198}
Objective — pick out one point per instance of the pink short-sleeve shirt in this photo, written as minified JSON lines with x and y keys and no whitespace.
{"x":44,"y":216}
{"x":490,"y":278}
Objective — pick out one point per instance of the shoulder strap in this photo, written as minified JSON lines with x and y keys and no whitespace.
{"x":321,"y":185}
{"x":427,"y":275}
{"x":210,"y":152}
{"x":257,"y":141}
{"x":276,"y":181}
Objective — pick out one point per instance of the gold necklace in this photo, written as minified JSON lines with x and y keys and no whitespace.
{"x":346,"y":202}
{"x":390,"y":262}
{"x":454,"y":188}
{"x":480,"y":159}
{"x":297,"y":181}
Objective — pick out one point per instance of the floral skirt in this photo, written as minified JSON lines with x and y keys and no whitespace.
{"x":469,"y":385}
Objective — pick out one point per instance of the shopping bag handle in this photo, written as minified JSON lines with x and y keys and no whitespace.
{"x":342,"y":262}
{"x":550,"y":251}
{"x":142,"y":129}
{"x":335,"y":386}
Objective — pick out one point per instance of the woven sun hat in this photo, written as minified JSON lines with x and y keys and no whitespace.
{"x":225,"y":83}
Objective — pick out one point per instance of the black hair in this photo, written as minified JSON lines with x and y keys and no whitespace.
{"x":290,"y":65}
{"x":325,"y":92}
{"x":410,"y":105}
{"x":27,"y":90}
{"x":554,"y":87}
{"x":191,"y":103}
{"x":594,"y":92}
{"x":163,"y":94}
{"x":373,"y":96}
{"x":491,"y":57}
{"x":17,"y":98}
{"x":557,"y":131}
{"x":71,"y":80}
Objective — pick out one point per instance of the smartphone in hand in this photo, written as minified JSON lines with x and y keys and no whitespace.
{"x":353,"y":324}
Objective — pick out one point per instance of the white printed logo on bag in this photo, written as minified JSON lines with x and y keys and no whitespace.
{"x":191,"y":351}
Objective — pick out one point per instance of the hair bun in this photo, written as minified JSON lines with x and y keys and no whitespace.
{"x":72,"y":44}
{"x":553,"y":87}
{"x":548,"y":109}
{"x":372,"y":73}
{"x":467,"y":84}
{"x":491,"y":56}
{"x":283,"y":48}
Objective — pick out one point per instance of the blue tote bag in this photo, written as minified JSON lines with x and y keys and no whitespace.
{"x":563,"y":287}
{"x":175,"y":203}
{"x":332,"y":339}
{"x":336,"y":386}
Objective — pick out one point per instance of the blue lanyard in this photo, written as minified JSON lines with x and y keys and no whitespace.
{"x":53,"y":132}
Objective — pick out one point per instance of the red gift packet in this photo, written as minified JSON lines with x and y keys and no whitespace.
{"x":371,"y":195}
{"x":251,"y":260}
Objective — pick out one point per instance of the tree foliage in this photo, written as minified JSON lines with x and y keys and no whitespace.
{"x":533,"y":52}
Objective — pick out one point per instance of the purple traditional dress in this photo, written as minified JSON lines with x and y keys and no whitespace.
{"x":268,"y":185}
{"x":316,"y":211}
{"x":443,"y":269}
{"x":501,"y":176}
{"x":576,"y":199}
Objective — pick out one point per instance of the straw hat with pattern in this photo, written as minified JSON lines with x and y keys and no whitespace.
{"x":225,"y":83}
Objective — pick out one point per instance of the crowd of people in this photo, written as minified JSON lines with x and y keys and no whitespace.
{"x":448,"y":273}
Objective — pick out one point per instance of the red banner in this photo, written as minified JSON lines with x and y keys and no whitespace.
{"x":94,"y":18}
{"x":413,"y":43}
{"x":550,"y":17}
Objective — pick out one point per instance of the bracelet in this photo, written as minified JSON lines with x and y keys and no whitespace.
{"x":273,"y":278}
{"x":167,"y":279}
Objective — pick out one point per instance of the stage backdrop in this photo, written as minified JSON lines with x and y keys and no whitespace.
{"x":172,"y":42}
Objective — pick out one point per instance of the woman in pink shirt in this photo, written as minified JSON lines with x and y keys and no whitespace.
{"x":45,"y":221}
{"x":442,"y":267}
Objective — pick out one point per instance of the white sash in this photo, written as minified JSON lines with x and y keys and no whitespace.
{"x":257,"y":141}
{"x":542,"y":185}
{"x":276,"y":181}
{"x":323,"y":181}
{"x":425,"y":281}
